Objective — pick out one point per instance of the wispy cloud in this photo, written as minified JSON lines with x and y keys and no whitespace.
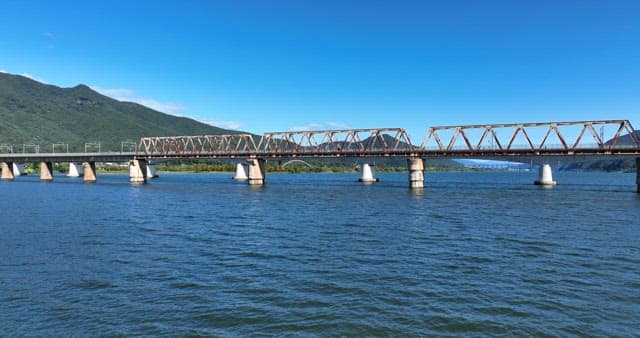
{"x":34,"y":78}
{"x":321,"y":126}
{"x":129,"y":95}
{"x":26,"y":75}
{"x":234,"y":125}
{"x":50,"y":39}
{"x":165,"y":107}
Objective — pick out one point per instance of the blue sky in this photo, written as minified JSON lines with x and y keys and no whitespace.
{"x":282,"y":65}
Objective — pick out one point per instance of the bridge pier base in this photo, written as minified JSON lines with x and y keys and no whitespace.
{"x":638,"y":175}
{"x":46,"y":171}
{"x":257,"y":172}
{"x":367,"y":174}
{"x":7,"y":171}
{"x":138,"y":171}
{"x":545,"y":178}
{"x":416,"y":172}
{"x":241,"y":172}
{"x":89,"y":169}
{"x":75,"y":170}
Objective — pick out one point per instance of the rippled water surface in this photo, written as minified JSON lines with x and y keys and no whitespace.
{"x":314,"y":254}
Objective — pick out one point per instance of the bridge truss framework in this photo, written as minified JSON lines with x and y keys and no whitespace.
{"x":494,"y":140}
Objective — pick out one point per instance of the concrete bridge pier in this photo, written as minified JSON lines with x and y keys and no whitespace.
{"x":75,"y":170}
{"x":416,"y":172}
{"x":46,"y":171}
{"x":138,"y":171}
{"x":7,"y":171}
{"x":546,"y":177}
{"x":368,"y":174}
{"x":89,"y":169}
{"x":18,"y":169}
{"x":151,"y":170}
{"x":241,"y":172}
{"x":256,"y":171}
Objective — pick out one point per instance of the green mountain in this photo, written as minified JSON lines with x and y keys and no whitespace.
{"x":616,"y":163}
{"x":35,"y":113}
{"x":626,"y":139}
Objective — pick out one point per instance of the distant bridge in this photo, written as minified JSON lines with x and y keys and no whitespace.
{"x":297,"y":161}
{"x":588,"y":138}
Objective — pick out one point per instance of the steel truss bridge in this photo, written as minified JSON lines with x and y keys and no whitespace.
{"x":586,"y":138}
{"x":479,"y":141}
{"x":496,"y":140}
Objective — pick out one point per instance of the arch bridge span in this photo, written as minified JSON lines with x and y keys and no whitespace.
{"x":297,"y":161}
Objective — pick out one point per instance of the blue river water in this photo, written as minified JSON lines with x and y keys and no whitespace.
{"x":473,"y":254}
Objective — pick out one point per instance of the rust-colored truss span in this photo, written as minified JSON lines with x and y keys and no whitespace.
{"x":487,"y":139}
{"x":325,"y":143}
{"x":572,"y":138}
{"x":198,"y":146}
{"x":353,"y":142}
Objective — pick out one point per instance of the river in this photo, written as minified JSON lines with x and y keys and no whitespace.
{"x":474,"y":253}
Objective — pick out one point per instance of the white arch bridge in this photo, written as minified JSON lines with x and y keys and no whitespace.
{"x":576,"y":138}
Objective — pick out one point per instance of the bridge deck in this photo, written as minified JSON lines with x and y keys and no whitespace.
{"x":69,"y":157}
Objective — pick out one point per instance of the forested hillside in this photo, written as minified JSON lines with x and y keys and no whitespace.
{"x":35,"y":113}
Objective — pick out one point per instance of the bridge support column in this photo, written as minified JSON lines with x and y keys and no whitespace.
{"x":7,"y":171}
{"x":75,"y":170}
{"x":151,"y":170}
{"x":638,"y":174}
{"x":241,"y":172}
{"x":138,"y":171}
{"x":46,"y":171}
{"x":257,"y":172}
{"x":367,"y":174}
{"x":89,"y":169}
{"x":545,"y":177}
{"x":416,"y":172}
{"x":18,"y":169}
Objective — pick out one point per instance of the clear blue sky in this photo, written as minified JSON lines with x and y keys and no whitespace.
{"x":278,"y":65}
